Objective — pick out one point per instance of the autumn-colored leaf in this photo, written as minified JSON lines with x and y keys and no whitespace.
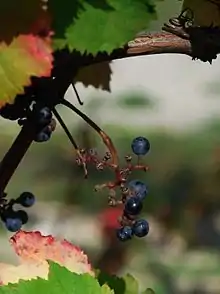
{"x":32,"y":246}
{"x":34,"y":251}
{"x":26,"y":56}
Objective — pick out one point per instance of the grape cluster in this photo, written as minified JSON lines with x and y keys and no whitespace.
{"x":35,"y":107}
{"x":133,"y":193}
{"x":44,"y":123}
{"x":136,"y":192}
{"x":14,"y":219}
{"x":133,"y":204}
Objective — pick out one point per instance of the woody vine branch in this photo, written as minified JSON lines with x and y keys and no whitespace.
{"x":144,"y":44}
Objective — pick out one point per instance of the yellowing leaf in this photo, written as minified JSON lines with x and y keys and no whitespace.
{"x":35,"y":250}
{"x":131,"y":284}
{"x":26,"y":56}
{"x":106,"y":290}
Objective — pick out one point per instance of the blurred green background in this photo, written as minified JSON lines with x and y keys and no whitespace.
{"x":181,"y":253}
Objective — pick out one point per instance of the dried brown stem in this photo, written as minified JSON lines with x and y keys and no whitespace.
{"x":106,"y":139}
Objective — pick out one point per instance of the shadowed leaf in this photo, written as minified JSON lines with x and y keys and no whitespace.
{"x":98,"y":75}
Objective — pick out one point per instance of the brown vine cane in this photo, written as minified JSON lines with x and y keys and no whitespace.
{"x":144,"y":44}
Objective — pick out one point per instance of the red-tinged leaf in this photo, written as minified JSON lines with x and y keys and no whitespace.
{"x":34,"y":251}
{"x":26,"y":56}
{"x":32,"y":246}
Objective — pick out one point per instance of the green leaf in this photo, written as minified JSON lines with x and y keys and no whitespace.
{"x":114,"y":282}
{"x":121,"y":285}
{"x":65,"y":15}
{"x":60,"y":280}
{"x":131,"y":284}
{"x":106,"y":290}
{"x":26,"y":56}
{"x":101,"y":27}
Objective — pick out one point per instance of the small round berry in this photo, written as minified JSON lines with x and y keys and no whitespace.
{"x":26,"y":199}
{"x":139,"y":188}
{"x":141,"y":228}
{"x":44,"y":135}
{"x":124,"y":233}
{"x":133,"y":205}
{"x":140,"y":146}
{"x":43,"y":116}
{"x":13,"y":224}
{"x":22,"y":215}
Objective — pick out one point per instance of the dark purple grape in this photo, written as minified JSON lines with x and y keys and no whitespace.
{"x":124,"y":233}
{"x":139,"y":188}
{"x":26,"y":199}
{"x":22,"y":215}
{"x":42,"y":116}
{"x":140,"y":146}
{"x":141,"y":228}
{"x":44,"y":135}
{"x":13,"y":224}
{"x":133,"y":205}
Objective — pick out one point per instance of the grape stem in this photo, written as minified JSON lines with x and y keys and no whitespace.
{"x":15,"y":154}
{"x":70,"y":137}
{"x":106,"y":139}
{"x":63,"y":125}
{"x":77,"y":95}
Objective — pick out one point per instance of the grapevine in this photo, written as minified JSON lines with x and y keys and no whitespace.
{"x":55,"y":48}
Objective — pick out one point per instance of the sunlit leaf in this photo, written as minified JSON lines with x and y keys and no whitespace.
{"x":26,"y":56}
{"x":34,"y":250}
{"x":102,"y":27}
